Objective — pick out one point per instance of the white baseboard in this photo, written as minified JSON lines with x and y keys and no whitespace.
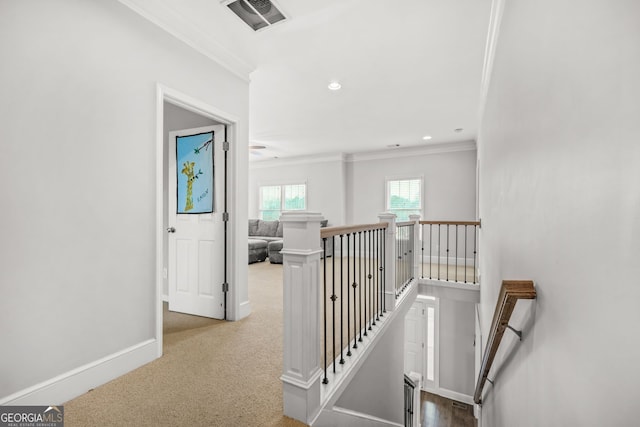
{"x":245,"y":309}
{"x":338,"y":416}
{"x":165,"y":297}
{"x":454,"y":395}
{"x":64,"y":387}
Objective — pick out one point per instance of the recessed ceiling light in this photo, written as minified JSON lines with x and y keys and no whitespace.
{"x":458,"y":130}
{"x":334,"y":85}
{"x":427,"y":137}
{"x":257,"y":147}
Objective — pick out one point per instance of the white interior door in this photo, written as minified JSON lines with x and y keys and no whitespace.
{"x":196,"y":240}
{"x":414,"y":324}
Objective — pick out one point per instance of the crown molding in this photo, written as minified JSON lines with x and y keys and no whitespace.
{"x":178,"y":26}
{"x":449,"y":147}
{"x":298,"y":160}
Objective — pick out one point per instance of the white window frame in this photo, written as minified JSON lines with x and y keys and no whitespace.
{"x":282,"y":194}
{"x":387,"y":195}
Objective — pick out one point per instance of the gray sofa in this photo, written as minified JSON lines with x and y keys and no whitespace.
{"x":265,"y":240}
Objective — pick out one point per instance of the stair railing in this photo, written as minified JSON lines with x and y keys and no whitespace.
{"x":510,"y":292}
{"x":409,"y":400}
{"x":337,"y":305}
{"x":449,"y":250}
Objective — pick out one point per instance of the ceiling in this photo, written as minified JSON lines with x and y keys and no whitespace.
{"x":407,"y":69}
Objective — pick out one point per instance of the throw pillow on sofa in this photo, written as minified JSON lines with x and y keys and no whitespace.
{"x":267,"y":228}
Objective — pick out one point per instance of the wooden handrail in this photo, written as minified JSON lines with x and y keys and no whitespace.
{"x":451,"y":222}
{"x":336,"y":231}
{"x":405,"y":223}
{"x":510,"y":292}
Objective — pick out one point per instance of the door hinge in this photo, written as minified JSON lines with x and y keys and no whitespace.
{"x":225,"y":216}
{"x":422,"y":345}
{"x":423,"y":311}
{"x":225,"y":145}
{"x":225,"y":287}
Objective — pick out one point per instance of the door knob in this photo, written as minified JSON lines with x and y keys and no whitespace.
{"x":171,"y":230}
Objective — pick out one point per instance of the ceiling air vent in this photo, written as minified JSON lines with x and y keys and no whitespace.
{"x":256,"y":13}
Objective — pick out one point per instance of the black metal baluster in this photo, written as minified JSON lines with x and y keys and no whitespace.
{"x":407,"y":260}
{"x":408,"y":251}
{"x":422,"y":251}
{"x":403,"y":242}
{"x":372,"y":261}
{"x":447,"y":252}
{"x":355,"y":305}
{"x":333,"y":301}
{"x":324,"y":303}
{"x":360,"y":280}
{"x":372,"y":279}
{"x":402,"y":272}
{"x":341,"y":301}
{"x":372,"y":320}
{"x":475,"y":238}
{"x":372,"y":269}
{"x":384,"y":273}
{"x":405,"y":245}
{"x":405,"y":256}
{"x":348,"y":300}
{"x":439,"y":248}
{"x":379,"y":231}
{"x":374,"y":287}
{"x":364,"y":283}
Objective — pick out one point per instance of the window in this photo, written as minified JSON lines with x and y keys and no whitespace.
{"x":277,"y":198}
{"x":404,"y":197}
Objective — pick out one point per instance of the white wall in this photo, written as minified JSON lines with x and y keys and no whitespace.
{"x":558,"y":157}
{"x":77,"y":163}
{"x":350,"y":189}
{"x":325,"y":184}
{"x":377,"y":389}
{"x":449,"y":183}
{"x":457,"y":330}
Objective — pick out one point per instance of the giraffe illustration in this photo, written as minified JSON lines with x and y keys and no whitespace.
{"x":187,"y":170}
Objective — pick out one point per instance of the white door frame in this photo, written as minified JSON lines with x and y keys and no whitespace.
{"x":164,"y":93}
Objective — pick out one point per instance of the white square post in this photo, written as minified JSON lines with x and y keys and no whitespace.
{"x":302,"y":316}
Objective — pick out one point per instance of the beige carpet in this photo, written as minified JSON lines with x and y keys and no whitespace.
{"x":212,"y":373}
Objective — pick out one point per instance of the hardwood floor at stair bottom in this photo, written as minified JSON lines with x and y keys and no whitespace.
{"x":437,"y":411}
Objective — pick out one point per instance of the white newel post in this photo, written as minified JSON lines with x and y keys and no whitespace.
{"x":302,"y":317}
{"x":417,"y":255}
{"x":390,"y":260}
{"x":416,"y":378}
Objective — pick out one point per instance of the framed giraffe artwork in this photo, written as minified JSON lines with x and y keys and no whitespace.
{"x":195,"y":174}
